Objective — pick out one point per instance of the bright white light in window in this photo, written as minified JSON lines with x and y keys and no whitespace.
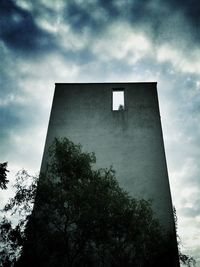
{"x":118,"y":100}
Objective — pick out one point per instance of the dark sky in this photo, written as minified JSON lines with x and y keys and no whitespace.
{"x":48,"y":41}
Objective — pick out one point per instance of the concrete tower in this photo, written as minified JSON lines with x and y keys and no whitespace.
{"x":120,"y":122}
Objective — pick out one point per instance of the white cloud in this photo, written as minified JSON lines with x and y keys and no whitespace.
{"x":48,"y":25}
{"x":57,"y":5}
{"x":73,"y":41}
{"x":11,"y":98}
{"x":122,"y":42}
{"x":181,"y":61}
{"x":27,"y":5}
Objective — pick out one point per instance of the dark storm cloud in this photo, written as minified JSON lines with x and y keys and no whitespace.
{"x":85,"y":16}
{"x":191,"y":10}
{"x":97,"y":15}
{"x":153,"y":17}
{"x":19,"y":31}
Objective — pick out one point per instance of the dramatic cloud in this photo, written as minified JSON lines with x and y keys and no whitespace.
{"x":46,"y":41}
{"x":20,"y":32}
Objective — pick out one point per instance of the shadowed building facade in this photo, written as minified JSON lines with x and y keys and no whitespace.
{"x":120,"y":123}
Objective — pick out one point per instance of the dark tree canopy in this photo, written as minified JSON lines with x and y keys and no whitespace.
{"x":83,"y":218}
{"x":3,"y":175}
{"x":12,"y":235}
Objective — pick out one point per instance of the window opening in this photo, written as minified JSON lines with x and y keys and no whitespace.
{"x":118,"y":100}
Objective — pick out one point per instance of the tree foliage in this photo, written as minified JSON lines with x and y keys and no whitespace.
{"x":11,"y":242}
{"x":19,"y":208}
{"x":3,"y":175}
{"x":183,"y":258}
{"x":83,"y":218}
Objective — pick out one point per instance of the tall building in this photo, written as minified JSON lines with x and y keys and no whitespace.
{"x":120,"y":123}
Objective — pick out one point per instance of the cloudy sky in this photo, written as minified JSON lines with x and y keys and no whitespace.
{"x":48,"y":41}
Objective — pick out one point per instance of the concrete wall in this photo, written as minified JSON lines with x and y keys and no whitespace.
{"x":130,"y":140}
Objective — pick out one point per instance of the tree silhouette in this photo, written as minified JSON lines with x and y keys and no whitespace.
{"x":12,"y":234}
{"x":184,"y":259}
{"x":82,"y":217}
{"x":3,"y":175}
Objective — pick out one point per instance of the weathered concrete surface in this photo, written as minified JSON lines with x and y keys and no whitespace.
{"x":130,"y":140}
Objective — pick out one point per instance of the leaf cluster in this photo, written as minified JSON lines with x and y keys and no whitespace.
{"x":11,"y":241}
{"x":25,"y":190}
{"x":3,"y":175}
{"x":184,"y":259}
{"x":12,"y":234}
